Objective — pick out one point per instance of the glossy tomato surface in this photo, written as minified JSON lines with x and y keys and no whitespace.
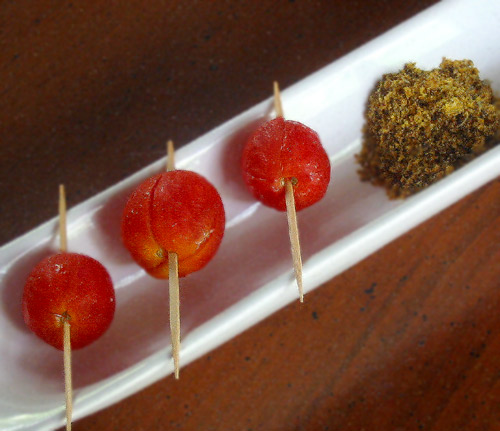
{"x":177,"y":211}
{"x":71,"y":285}
{"x":280,"y":150}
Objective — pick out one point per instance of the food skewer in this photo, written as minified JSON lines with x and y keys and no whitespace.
{"x":173,"y":284}
{"x":65,"y":318}
{"x":293,"y":228}
{"x":285,"y":167}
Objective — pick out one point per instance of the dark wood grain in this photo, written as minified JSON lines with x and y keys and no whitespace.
{"x":406,"y":340}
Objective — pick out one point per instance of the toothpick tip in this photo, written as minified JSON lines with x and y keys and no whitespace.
{"x":63,"y":236}
{"x":170,"y":155}
{"x":278,"y":107}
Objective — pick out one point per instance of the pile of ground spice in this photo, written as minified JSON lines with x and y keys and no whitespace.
{"x":422,"y":125}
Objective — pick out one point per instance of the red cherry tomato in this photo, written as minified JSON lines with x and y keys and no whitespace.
{"x":280,"y":150}
{"x":177,"y":211}
{"x":69,"y":286}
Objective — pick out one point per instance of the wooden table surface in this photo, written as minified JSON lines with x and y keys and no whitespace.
{"x":406,"y":340}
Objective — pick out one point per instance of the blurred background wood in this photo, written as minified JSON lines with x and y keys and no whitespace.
{"x":405,"y":340}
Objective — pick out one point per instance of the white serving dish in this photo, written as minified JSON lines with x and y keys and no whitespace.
{"x":240,"y":286}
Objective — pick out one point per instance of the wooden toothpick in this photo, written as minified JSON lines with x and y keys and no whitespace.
{"x":68,"y":384}
{"x":278,"y":107}
{"x":170,"y":156}
{"x":293,"y":229}
{"x":63,"y":237}
{"x":293,"y":232}
{"x":175,"y":320}
{"x":173,"y":285}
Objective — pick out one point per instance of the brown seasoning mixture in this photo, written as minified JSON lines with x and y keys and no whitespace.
{"x":422,"y":125}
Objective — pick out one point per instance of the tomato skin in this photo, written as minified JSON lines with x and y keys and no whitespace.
{"x":282,"y":149}
{"x":177,"y":211}
{"x":74,"y":284}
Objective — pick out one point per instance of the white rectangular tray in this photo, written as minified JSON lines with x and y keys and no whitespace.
{"x":251,"y":276}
